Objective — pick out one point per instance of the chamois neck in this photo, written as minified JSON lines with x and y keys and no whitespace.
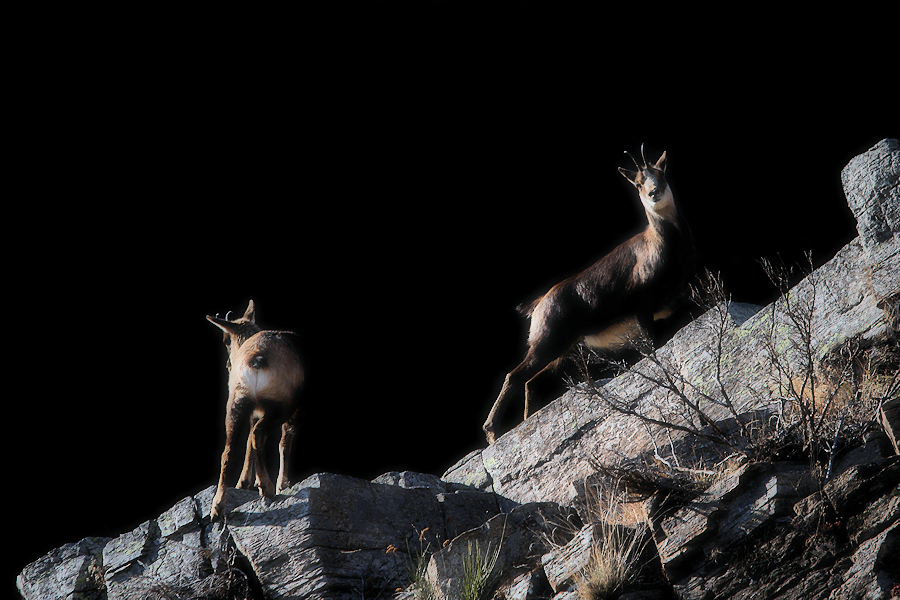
{"x":662,"y":212}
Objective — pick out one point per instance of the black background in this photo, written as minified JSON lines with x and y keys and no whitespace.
{"x":388,"y":181}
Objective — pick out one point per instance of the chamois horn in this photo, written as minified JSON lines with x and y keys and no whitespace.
{"x":633,"y":160}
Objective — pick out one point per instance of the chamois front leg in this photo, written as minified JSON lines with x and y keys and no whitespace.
{"x":507,"y":390}
{"x":536,"y":360}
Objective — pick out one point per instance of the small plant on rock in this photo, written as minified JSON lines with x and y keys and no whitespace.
{"x":613,"y":563}
{"x":478,"y":571}
{"x":417,"y":566}
{"x":615,"y":558}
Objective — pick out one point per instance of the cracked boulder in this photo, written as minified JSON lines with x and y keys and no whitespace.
{"x":333,"y":536}
{"x":166,"y":557}
{"x":175,"y":555}
{"x":70,"y":571}
{"x":509,"y":544}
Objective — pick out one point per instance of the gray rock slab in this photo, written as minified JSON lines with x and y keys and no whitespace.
{"x":871,"y":183}
{"x":172,"y":554}
{"x":70,"y":571}
{"x":874,"y":573}
{"x":562,"y":565}
{"x":333,"y":535}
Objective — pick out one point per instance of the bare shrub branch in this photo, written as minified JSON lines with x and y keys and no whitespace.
{"x":798,"y":401}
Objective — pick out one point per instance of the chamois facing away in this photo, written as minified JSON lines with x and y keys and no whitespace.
{"x":615,"y":299}
{"x":264,"y":383}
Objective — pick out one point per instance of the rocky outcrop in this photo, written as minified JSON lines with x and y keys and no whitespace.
{"x":517,"y":515}
{"x":328,"y":536}
{"x":753,"y":534}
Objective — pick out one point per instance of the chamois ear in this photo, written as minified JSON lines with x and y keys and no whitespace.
{"x":250,"y":313}
{"x":629,"y":175}
{"x":224,"y":325}
{"x":661,"y":163}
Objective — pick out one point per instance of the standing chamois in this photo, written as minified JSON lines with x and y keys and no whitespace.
{"x":265,"y":379}
{"x":616,"y":298}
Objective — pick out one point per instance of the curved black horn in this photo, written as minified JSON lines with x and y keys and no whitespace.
{"x":642,"y":155}
{"x":634,"y":161}
{"x":227,"y":315}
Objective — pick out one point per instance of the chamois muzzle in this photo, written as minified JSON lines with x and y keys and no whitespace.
{"x":657,"y":193}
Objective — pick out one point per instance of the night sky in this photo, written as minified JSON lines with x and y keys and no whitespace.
{"x":388,"y":192}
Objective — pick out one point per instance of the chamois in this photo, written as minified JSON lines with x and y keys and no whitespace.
{"x":264,"y":384}
{"x":607,"y":304}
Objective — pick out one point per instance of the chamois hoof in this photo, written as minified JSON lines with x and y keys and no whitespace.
{"x":267,"y":491}
{"x":217,"y":512}
{"x":491,"y":438}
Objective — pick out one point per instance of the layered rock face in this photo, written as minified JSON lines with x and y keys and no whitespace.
{"x":523,"y":518}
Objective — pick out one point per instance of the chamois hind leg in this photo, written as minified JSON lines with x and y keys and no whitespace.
{"x":536,"y":360}
{"x":258,"y":439}
{"x":284,"y":452}
{"x":248,"y":473}
{"x":530,"y":391}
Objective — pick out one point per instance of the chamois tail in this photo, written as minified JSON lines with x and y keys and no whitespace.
{"x":526,"y":308}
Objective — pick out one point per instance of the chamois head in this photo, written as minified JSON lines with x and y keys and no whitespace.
{"x":239,"y":330}
{"x":650,"y":181}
